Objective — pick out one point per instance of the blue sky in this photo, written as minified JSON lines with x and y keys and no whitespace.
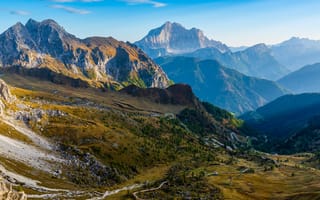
{"x":234,"y":22}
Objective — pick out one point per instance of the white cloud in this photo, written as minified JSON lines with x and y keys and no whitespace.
{"x":19,"y":12}
{"x":155,"y":4}
{"x":71,"y":9}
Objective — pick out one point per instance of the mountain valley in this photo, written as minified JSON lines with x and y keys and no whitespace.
{"x":97,"y":118}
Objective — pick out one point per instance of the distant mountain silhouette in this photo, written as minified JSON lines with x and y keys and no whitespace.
{"x":297,"y":52}
{"x":254,"y":61}
{"x":284,"y":116}
{"x":219,"y":85}
{"x":303,"y":80}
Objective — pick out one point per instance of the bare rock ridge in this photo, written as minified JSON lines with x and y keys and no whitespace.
{"x":7,"y":193}
{"x":98,"y":61}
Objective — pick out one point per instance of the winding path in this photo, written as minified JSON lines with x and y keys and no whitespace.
{"x":135,"y":194}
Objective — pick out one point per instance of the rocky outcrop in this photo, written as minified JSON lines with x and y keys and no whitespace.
{"x":97,"y":61}
{"x":7,"y":193}
{"x":5,"y":95}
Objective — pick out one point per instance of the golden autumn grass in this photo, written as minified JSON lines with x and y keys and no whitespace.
{"x":108,"y":133}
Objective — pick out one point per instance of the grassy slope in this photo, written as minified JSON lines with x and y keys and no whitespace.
{"x":122,"y":132}
{"x":117,"y":129}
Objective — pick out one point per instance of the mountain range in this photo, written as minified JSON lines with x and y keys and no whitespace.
{"x":173,"y":39}
{"x":297,"y":52}
{"x":48,"y":50}
{"x":219,"y":85}
{"x":253,"y":61}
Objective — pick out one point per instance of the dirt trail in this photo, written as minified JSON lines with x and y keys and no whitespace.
{"x":112,"y":192}
{"x":135,"y":194}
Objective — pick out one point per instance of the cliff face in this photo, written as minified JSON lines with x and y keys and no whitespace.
{"x":98,"y":61}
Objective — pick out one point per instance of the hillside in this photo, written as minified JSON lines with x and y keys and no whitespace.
{"x":305,"y":140}
{"x":255,"y":61}
{"x":288,"y":123}
{"x":83,"y":138}
{"x":219,"y":85}
{"x":306,"y":79}
{"x":44,"y":49}
{"x":61,"y":142}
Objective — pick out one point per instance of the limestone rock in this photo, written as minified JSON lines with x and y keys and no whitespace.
{"x":5,"y":95}
{"x":7,"y":193}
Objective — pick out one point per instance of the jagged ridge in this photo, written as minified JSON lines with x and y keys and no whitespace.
{"x":98,"y":61}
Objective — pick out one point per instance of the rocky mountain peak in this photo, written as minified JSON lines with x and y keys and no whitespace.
{"x":47,"y":30}
{"x":17,"y":27}
{"x":170,"y":26}
{"x":97,"y":60}
{"x":173,"y":38}
{"x":32,"y":23}
{"x":16,"y":32}
{"x":258,"y":50}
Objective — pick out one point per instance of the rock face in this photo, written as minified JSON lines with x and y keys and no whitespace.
{"x":98,"y":61}
{"x":7,"y":193}
{"x":5,"y":95}
{"x":173,"y":38}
